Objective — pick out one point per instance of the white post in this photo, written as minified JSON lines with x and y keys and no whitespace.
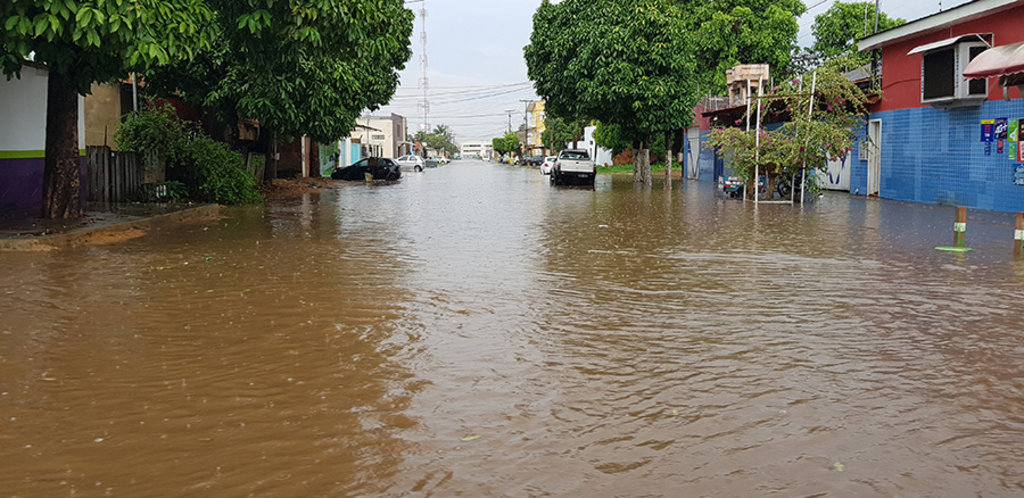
{"x":757,"y":151}
{"x":810,"y":114}
{"x":748,"y":131}
{"x":135,"y":93}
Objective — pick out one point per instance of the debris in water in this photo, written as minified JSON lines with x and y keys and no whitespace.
{"x":474,"y":437}
{"x":838,"y":466}
{"x":98,"y":440}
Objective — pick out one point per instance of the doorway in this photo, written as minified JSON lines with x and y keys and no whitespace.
{"x":874,"y":157}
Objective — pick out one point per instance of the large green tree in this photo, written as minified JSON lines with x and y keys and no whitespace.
{"x":731,"y":32}
{"x":627,"y":62}
{"x":85,"y":41}
{"x":302,"y":67}
{"x":836,"y":30}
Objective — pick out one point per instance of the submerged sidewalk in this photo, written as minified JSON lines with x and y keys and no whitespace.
{"x":21,"y":230}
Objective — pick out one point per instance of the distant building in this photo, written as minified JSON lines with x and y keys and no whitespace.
{"x":481,"y":150}
{"x":535,"y":127}
{"x":382,"y":136}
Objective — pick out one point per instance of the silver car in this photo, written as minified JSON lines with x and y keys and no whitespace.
{"x":411,"y":163}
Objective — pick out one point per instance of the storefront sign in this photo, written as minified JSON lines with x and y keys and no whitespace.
{"x":988,"y":132}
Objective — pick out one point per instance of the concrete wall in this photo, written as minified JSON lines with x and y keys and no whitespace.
{"x":102,"y":114}
{"x":23,"y":137}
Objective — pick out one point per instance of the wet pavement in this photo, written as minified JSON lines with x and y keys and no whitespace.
{"x":473,"y":331}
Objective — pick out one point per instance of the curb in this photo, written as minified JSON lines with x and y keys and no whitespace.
{"x":89,"y":234}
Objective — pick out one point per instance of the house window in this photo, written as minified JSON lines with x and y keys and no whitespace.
{"x":939,"y":77}
{"x":942,"y":82}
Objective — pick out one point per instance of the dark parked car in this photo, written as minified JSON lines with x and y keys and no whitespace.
{"x":381,"y":168}
{"x":535,"y":160}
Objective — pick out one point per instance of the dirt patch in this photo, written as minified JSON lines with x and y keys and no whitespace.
{"x":296,"y":187}
{"x":113,"y":236}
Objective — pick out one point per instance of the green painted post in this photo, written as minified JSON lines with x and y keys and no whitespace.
{"x":960,"y":228}
{"x":1018,"y":237}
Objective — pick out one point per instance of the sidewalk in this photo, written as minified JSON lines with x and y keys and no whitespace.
{"x":22,"y":230}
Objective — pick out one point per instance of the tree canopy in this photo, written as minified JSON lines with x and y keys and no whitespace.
{"x":303,"y":67}
{"x":507,"y":144}
{"x":837,"y":29}
{"x":627,"y":62}
{"x":441,"y":139}
{"x":731,"y":32}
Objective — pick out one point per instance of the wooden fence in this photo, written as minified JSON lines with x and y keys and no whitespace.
{"x":111,"y":176}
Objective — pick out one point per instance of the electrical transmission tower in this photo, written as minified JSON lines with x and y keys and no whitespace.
{"x":424,"y":80}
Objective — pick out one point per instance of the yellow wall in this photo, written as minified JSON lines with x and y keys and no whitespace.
{"x":102,"y":114}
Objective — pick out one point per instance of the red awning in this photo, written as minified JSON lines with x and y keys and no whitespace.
{"x":997,"y":61}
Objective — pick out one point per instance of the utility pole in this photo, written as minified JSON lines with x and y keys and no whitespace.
{"x":424,"y":80}
{"x":509,"y":112}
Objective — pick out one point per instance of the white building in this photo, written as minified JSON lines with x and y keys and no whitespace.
{"x":473,"y":150}
{"x":382,"y":136}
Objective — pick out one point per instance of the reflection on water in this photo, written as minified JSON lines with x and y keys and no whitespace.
{"x":474,"y":331}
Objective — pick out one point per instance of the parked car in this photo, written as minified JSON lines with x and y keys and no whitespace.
{"x":432,"y":162}
{"x":574,"y":166}
{"x":380,"y":168}
{"x":548,"y":165}
{"x":411,"y":163}
{"x":535,"y":160}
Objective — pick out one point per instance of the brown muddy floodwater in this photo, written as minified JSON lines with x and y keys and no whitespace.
{"x":473,"y":331}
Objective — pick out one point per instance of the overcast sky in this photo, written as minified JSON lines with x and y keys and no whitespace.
{"x":476,"y":67}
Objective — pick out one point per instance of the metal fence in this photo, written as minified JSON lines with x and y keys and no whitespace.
{"x":111,"y":176}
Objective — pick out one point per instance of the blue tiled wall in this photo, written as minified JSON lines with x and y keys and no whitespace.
{"x":936,"y":156}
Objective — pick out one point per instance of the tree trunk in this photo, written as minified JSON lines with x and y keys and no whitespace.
{"x":270,"y":174}
{"x":642,"y":163}
{"x":575,"y":138}
{"x":668,"y":159}
{"x":62,"y":170}
{"x":314,"y":159}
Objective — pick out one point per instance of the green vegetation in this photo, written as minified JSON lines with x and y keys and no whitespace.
{"x":509,"y":144}
{"x":441,"y":139}
{"x":320,"y":64}
{"x":627,"y":62}
{"x":86,"y":41}
{"x":210,"y":171}
{"x":628,"y":168}
{"x":836,"y":30}
{"x":561,"y":131}
{"x":730,"y":32}
{"x":806,"y":138}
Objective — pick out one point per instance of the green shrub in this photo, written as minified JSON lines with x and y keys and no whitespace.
{"x":217,"y":173}
{"x":153,"y":131}
{"x":209,"y":169}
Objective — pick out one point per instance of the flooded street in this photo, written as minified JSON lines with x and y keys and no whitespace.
{"x":473,"y":331}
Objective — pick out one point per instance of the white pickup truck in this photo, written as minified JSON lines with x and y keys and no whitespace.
{"x":573,"y":166}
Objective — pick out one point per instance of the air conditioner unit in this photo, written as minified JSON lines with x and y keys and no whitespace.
{"x":942,"y":81}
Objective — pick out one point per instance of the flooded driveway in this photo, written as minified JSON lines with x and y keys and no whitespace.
{"x":473,"y":331}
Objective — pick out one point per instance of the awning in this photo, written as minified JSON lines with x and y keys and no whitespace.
{"x":949,"y":41}
{"x":997,"y":61}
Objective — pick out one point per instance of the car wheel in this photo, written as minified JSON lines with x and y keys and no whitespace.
{"x":418,"y":168}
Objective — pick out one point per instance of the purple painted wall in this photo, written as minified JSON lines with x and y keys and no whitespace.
{"x":21,"y":182}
